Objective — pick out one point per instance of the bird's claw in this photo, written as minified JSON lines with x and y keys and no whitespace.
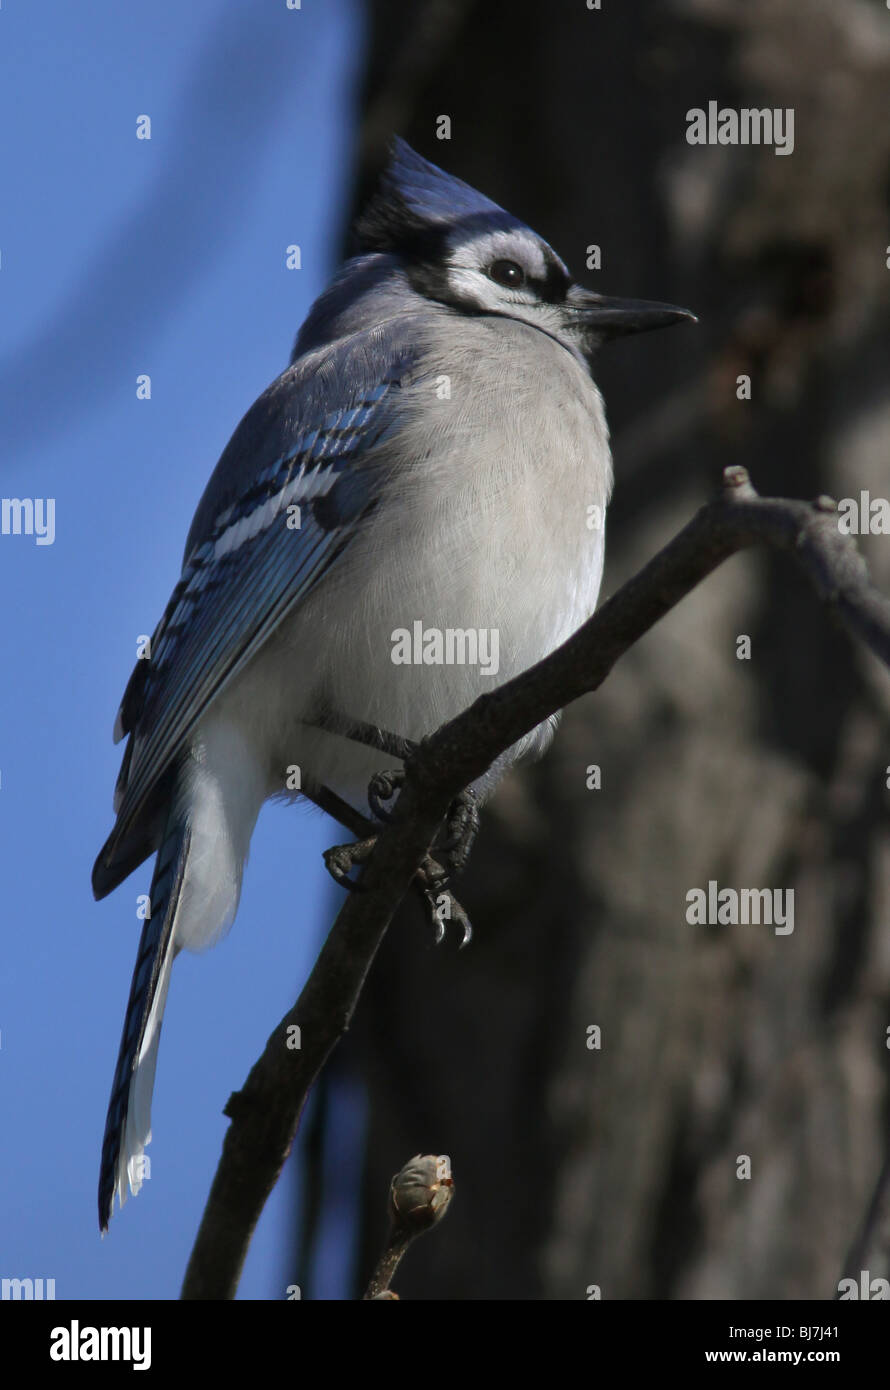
{"x":383,"y":787}
{"x":432,"y":880}
{"x":340,"y":860}
{"x":433,"y":876}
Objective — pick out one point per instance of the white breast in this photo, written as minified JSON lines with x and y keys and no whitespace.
{"x":493,"y":522}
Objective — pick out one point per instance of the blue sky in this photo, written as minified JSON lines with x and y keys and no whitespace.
{"x":120,"y":257}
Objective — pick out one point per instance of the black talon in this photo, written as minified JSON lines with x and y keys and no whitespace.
{"x":432,"y":881}
{"x":340,"y":860}
{"x":383,"y":787}
{"x":456,"y":914}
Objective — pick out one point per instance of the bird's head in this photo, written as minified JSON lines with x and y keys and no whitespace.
{"x":461,"y":249}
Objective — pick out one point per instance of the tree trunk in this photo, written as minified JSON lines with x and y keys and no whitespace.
{"x":623,"y":1166}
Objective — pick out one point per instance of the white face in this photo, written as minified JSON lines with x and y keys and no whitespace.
{"x":509,"y":272}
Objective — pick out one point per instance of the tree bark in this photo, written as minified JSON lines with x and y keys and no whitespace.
{"x":618,"y":1167}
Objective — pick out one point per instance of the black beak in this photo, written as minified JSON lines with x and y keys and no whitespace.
{"x":604,"y":318}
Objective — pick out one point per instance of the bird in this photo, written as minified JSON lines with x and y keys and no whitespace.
{"x":428,"y":463}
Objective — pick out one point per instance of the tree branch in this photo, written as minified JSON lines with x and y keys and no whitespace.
{"x":265,"y":1113}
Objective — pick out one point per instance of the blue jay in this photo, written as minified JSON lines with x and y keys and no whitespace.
{"x":427,"y":462}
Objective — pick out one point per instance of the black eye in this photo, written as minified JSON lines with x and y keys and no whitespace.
{"x":507,"y":273}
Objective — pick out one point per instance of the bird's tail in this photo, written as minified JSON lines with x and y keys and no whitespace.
{"x":128,"y":1123}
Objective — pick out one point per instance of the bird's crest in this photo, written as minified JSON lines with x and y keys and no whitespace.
{"x":415,"y":197}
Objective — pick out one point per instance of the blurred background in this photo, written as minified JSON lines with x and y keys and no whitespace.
{"x":615,"y":1167}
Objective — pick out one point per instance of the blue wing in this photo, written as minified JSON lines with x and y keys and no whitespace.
{"x":307,"y":442}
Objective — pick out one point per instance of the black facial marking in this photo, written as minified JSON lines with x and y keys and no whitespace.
{"x":556,"y":282}
{"x":427,"y":253}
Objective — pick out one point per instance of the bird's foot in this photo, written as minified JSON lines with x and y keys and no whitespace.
{"x":340,"y":860}
{"x":432,"y":878}
{"x":381,"y":789}
{"x":461,"y":829}
{"x":461,"y":825}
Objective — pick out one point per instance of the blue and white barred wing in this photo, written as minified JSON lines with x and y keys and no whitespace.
{"x":308,"y":442}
